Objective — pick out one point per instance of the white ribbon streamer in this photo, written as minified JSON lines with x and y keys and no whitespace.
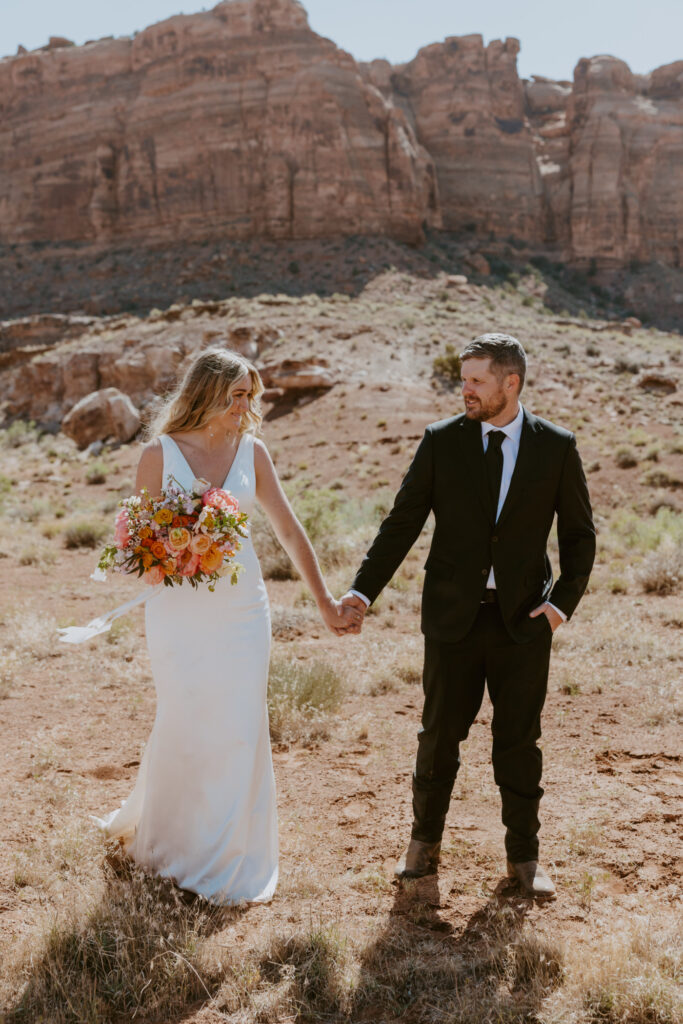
{"x":102,"y":624}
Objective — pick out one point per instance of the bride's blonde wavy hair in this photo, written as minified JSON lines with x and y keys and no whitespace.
{"x":205,"y":391}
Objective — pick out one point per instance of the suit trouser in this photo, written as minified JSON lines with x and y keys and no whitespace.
{"x":454,"y":679}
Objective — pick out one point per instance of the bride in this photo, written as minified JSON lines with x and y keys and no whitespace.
{"x":203,"y":808}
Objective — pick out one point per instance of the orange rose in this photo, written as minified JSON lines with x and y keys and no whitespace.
{"x":200,"y":544}
{"x":169,"y":566}
{"x":147,"y":559}
{"x":211,"y":561}
{"x":179,"y":538}
{"x":177,"y":521}
{"x":158,"y":550}
{"x":145,"y":533}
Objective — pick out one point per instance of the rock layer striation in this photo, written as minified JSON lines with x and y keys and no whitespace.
{"x":241,"y":122}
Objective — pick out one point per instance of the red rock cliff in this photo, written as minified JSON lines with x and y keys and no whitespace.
{"x":240,"y":121}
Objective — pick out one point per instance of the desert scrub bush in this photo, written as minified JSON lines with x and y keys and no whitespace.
{"x":96,"y":473}
{"x":32,"y":633}
{"x":334,"y":526}
{"x":625,"y":457}
{"x":32,"y":511}
{"x":5,"y":488}
{"x":37,"y":554}
{"x":85,"y":533}
{"x":19,"y":433}
{"x":641,"y":534}
{"x":274,"y":560}
{"x":301,"y":697}
{"x":661,"y":571}
{"x":10,"y":669}
{"x":448,"y":365}
{"x":660,"y":477}
{"x":135,"y":949}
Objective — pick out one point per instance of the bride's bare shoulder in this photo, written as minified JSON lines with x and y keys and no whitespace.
{"x":150,"y":467}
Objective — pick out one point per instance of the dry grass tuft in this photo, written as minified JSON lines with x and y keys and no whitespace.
{"x":301,"y":698}
{"x":33,"y":634}
{"x":661,"y":571}
{"x":631,"y":976}
{"x":85,"y":533}
{"x":136,"y":948}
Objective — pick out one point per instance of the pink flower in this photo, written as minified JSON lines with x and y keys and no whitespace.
{"x":200,"y":544}
{"x":190,"y":566}
{"x":218,"y":498}
{"x":154,"y":575}
{"x":121,"y":531}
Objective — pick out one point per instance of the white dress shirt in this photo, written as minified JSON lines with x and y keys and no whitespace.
{"x":510,"y":449}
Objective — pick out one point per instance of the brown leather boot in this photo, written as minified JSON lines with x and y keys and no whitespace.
{"x":532,"y":878}
{"x":419,"y":859}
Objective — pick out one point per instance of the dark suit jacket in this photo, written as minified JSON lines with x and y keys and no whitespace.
{"x":448,"y":476}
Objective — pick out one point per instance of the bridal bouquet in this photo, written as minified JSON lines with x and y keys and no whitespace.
{"x":181,"y":536}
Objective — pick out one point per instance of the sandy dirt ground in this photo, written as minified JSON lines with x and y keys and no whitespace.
{"x":73,"y":721}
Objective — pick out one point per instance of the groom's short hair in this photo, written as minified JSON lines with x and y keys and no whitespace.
{"x":504,"y":351}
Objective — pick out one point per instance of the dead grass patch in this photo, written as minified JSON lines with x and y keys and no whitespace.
{"x":134,"y":948}
{"x":301,"y":697}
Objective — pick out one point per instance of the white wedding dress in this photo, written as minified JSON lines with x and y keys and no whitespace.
{"x":203,"y":809}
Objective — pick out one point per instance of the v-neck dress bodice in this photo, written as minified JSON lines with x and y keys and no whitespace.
{"x":203,"y":809}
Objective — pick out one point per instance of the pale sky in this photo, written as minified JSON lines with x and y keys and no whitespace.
{"x":553,"y":36}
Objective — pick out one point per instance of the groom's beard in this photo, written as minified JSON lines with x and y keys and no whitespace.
{"x":483,"y":411}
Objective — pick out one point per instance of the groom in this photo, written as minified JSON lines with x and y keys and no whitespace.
{"x":494,"y":477}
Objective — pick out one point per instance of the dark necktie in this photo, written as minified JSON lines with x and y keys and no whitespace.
{"x":494,"y":467}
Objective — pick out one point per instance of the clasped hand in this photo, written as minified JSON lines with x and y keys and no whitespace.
{"x":345,"y":616}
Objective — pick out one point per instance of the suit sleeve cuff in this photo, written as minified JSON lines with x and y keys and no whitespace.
{"x":558,"y":610}
{"x":357,"y":593}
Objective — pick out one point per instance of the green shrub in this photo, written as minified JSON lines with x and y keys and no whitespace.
{"x":661,"y":571}
{"x":625,"y":457}
{"x":85,"y":533}
{"x":448,"y":365}
{"x":19,"y":433}
{"x":96,"y":474}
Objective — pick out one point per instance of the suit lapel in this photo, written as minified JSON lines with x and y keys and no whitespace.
{"x":526,"y":458}
{"x":473,"y":449}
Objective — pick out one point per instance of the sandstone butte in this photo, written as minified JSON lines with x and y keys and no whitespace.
{"x":241,"y":122}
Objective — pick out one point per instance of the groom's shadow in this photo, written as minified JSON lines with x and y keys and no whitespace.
{"x":493,"y":964}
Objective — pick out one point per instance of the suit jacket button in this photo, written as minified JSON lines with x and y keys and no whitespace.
{"x":484,"y":572}
{"x":494,"y":539}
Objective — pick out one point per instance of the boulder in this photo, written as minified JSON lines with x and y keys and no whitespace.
{"x":478,"y":264}
{"x":295,"y":375}
{"x":102,"y":415}
{"x":658,"y":383}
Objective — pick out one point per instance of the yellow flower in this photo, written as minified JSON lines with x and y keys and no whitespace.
{"x":209,"y":521}
{"x":163,"y":517}
{"x":145,"y":533}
